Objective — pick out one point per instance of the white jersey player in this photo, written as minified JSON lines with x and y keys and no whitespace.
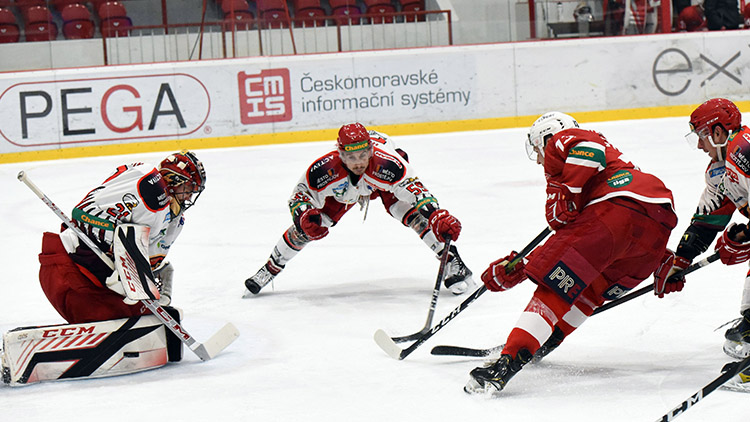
{"x":365,"y":165}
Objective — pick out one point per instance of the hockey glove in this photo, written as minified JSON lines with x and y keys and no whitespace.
{"x":497,"y":277}
{"x":734,"y":244}
{"x":311,"y":223}
{"x":164,"y":277}
{"x":664,"y":282}
{"x":442,"y":224}
{"x":560,"y":208}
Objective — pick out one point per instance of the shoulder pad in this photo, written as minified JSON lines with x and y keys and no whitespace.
{"x":153,"y":189}
{"x":325,"y":170}
{"x":386,"y":167}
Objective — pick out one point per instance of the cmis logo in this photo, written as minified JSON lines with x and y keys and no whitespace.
{"x":265,"y":97}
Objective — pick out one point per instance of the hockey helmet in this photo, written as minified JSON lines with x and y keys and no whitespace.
{"x":543,"y":128}
{"x":353,"y":137}
{"x":716,"y":111}
{"x":181,"y":168}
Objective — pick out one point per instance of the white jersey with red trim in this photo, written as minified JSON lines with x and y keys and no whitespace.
{"x":737,"y":176}
{"x":388,"y":171}
{"x":136,"y":194}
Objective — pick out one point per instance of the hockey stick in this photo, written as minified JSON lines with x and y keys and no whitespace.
{"x":384,"y":341}
{"x":643,"y":290}
{"x":205,"y":351}
{"x":480,"y":353}
{"x":729,"y":370}
{"x":433,"y":301}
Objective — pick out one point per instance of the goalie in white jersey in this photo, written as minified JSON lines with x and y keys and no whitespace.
{"x":365,"y":165}
{"x":77,"y":283}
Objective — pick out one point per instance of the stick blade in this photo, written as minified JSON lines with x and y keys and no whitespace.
{"x":218,"y":342}
{"x":464,"y":351}
{"x":384,"y":341}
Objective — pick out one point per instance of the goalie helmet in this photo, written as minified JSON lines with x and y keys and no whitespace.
{"x":716,"y":111}
{"x":353,"y":137}
{"x":184,"y":168}
{"x":543,"y":129}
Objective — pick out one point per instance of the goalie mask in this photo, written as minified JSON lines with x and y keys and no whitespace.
{"x":712,"y":113}
{"x":185,"y":177}
{"x":543,"y":129}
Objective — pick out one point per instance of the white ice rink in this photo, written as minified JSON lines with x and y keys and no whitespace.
{"x":306,"y":351}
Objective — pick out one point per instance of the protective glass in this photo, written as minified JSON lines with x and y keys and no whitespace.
{"x":535,"y":146}
{"x":701,"y":134}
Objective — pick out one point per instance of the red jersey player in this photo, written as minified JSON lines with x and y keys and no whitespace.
{"x":611,"y":221}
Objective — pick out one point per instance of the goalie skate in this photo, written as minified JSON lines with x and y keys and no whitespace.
{"x":457,"y":275}
{"x":737,"y":349}
{"x":740,"y":382}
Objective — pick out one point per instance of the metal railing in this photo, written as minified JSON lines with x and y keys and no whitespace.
{"x":263,"y":37}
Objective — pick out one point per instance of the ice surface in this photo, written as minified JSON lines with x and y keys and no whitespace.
{"x":306,"y":351}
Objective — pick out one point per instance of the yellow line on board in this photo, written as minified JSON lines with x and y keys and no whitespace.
{"x":330,"y":134}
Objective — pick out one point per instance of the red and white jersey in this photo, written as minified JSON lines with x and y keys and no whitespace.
{"x":388,"y":171}
{"x":136,"y":194}
{"x":593,"y":170}
{"x":736,"y":182}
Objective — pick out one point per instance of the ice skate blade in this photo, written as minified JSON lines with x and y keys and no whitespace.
{"x":737,"y":350}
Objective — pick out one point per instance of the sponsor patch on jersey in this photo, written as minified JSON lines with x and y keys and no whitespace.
{"x":620,"y":179}
{"x":323,"y":172}
{"x":387,"y":168}
{"x":130,"y":201}
{"x":153,"y":190}
{"x":739,"y":158}
{"x":615,"y":291}
{"x":564,"y":282}
{"x":89,"y":219}
{"x":719,"y":171}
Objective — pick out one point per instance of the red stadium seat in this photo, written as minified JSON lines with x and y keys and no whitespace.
{"x":39,"y":24}
{"x":8,"y":27}
{"x":379,"y":7}
{"x":114,"y":19}
{"x":77,"y":23}
{"x":310,"y":17}
{"x":60,"y":4}
{"x":273,"y":12}
{"x":347,"y":15}
{"x":412,"y":6}
{"x":240,"y":10}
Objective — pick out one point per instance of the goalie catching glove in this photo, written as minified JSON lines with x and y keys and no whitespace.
{"x":664,"y":282}
{"x":560,"y":208}
{"x":498,"y":277}
{"x":734,"y":244}
{"x":310,"y":222}
{"x":443,"y":224}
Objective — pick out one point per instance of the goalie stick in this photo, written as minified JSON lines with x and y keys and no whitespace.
{"x":480,"y":353}
{"x":385,"y":342}
{"x":433,"y":301}
{"x":729,"y":370}
{"x":205,"y":351}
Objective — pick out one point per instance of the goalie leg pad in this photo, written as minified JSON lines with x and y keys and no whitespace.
{"x":89,"y":350}
{"x":174,"y":344}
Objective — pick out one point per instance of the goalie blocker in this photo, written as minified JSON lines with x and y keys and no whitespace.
{"x":88,"y":350}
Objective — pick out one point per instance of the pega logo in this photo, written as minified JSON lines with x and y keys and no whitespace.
{"x":105,"y":109}
{"x":265,"y":97}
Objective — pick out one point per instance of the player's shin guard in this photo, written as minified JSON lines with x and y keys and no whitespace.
{"x":88,"y":350}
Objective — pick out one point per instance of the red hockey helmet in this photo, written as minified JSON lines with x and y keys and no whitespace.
{"x":716,"y":111}
{"x":180,"y":168}
{"x":353,"y":137}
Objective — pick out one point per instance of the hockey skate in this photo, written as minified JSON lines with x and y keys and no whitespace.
{"x":740,"y":382}
{"x":264,"y":276}
{"x":495,"y":376}
{"x":457,"y":276}
{"x":737,"y":344}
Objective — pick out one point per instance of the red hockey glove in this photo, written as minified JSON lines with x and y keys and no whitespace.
{"x":731,"y":245}
{"x":497,"y":279}
{"x":442,"y":224}
{"x":310,"y":222}
{"x":670,"y":264}
{"x":560,"y":209}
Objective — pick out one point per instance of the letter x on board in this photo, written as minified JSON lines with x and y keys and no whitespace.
{"x":721,"y":69}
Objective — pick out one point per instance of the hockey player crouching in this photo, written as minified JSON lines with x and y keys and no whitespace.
{"x":108,"y":334}
{"x":716,"y":128}
{"x":612,"y":223}
{"x":365,"y":165}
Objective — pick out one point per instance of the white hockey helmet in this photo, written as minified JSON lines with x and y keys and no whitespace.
{"x":543,"y":128}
